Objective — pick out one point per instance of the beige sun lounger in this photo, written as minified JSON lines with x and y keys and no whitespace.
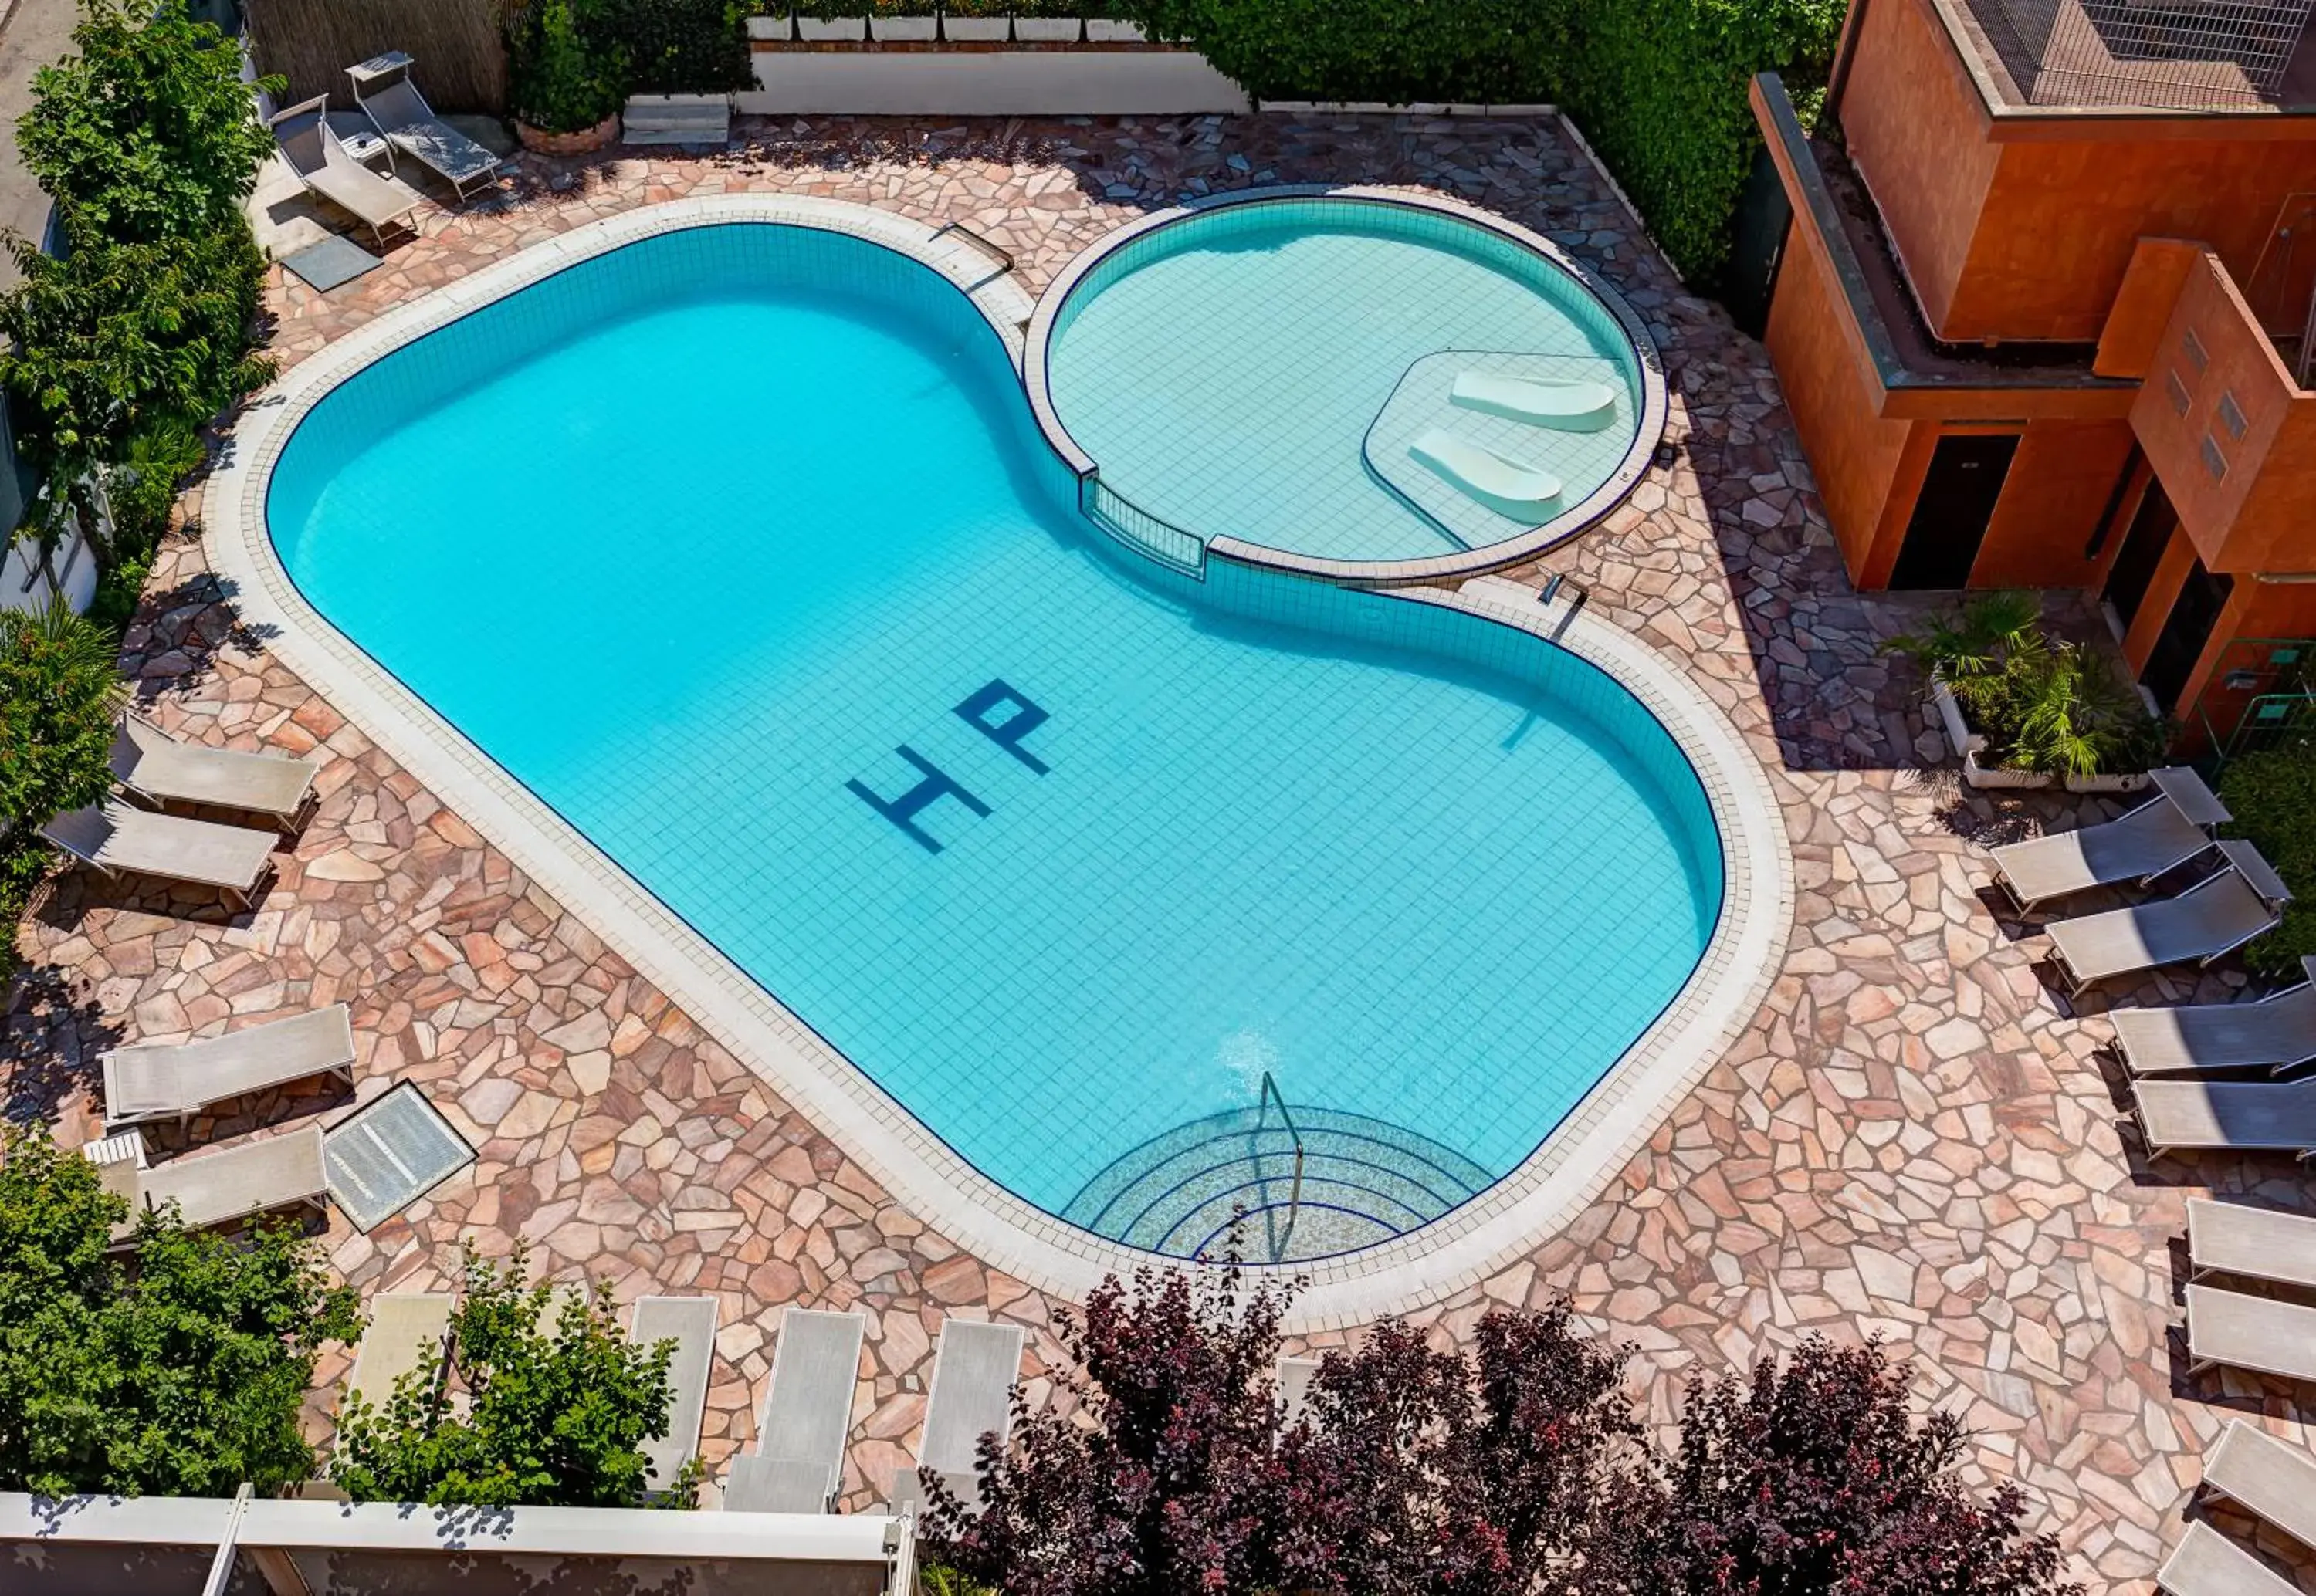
{"x":409,"y":1331}
{"x":2256,"y":1243}
{"x":2274,"y":1478}
{"x":2232,"y":1116}
{"x":2206,"y":1563}
{"x":2214,"y":918}
{"x":690,"y":1322}
{"x":306,"y":142}
{"x":177,"y":1081}
{"x":2247,"y":1332}
{"x":798,"y":1462}
{"x":158,"y":769}
{"x":974,"y":1374}
{"x":2278,"y":1031}
{"x":220,"y":1188}
{"x":119,"y":840}
{"x":2159,"y":836}
{"x":386,"y":94}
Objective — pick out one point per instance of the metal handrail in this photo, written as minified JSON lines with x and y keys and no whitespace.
{"x":1154,"y":535}
{"x":1004,"y":256}
{"x":1271,"y":1095}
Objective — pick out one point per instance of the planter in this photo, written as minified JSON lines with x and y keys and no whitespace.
{"x":1045,"y":30}
{"x":1960,"y":738}
{"x":975,"y":30}
{"x":586,"y":141}
{"x":908,"y":30}
{"x":1111,"y":31}
{"x":1980,"y":775}
{"x":826,"y":28}
{"x":2133,"y":782}
{"x":772,"y":27}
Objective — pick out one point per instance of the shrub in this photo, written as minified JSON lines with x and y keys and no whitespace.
{"x":985,"y":8}
{"x":685,"y":46}
{"x":59,"y":691}
{"x":2271,"y":794}
{"x":565,"y":73}
{"x":559,"y":1404}
{"x":903,"y":8}
{"x":182,"y":1376}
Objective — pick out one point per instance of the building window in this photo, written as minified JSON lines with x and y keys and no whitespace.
{"x":2214,"y":462}
{"x":2231,"y":417}
{"x":2177,"y":390}
{"x":2195,"y":347}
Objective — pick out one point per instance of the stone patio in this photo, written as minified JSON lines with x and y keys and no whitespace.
{"x":1913,"y":1138}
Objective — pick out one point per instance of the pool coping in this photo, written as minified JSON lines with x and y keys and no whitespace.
{"x":1655,"y":405}
{"x":919,"y":1170}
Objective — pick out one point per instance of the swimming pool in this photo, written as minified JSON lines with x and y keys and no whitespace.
{"x":738,"y":548}
{"x":1259,"y":366}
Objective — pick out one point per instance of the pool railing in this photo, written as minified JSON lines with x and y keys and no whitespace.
{"x":1271,"y":1095}
{"x":1138,"y":529}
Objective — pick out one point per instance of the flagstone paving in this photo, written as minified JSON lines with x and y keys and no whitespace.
{"x":1913,"y":1138}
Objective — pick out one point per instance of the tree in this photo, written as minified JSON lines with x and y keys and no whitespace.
{"x":559,"y":1404}
{"x":182,"y":1376}
{"x":60,"y":689}
{"x":148,"y":136}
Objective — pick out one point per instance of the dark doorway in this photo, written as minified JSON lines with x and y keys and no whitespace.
{"x":2186,"y":630}
{"x":1951,"y":516}
{"x":2141,"y":552}
{"x":1757,"y":244}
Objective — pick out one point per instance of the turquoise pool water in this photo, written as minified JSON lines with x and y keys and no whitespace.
{"x":738,"y":548}
{"x":1224,"y":371}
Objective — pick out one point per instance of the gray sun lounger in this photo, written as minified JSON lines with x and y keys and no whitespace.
{"x":145,"y":1082}
{"x":973,"y":1375}
{"x":384,"y":91}
{"x":690,"y":1322}
{"x":2246,"y":1332}
{"x":2231,"y":1116}
{"x":2278,"y":1031}
{"x":119,"y":840}
{"x":2274,"y":1478}
{"x":2157,"y":837}
{"x":218,"y":1188}
{"x":2206,"y":1563}
{"x":156,"y":767}
{"x":2256,"y":1243}
{"x":306,"y":142}
{"x":2214,"y":918}
{"x":409,"y":1332}
{"x":798,"y":1462}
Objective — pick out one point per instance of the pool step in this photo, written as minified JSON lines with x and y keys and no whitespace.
{"x":1364,"y":1181}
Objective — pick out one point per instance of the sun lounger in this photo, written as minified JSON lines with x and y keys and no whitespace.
{"x":384,"y":91}
{"x":2215,"y":916}
{"x":220,"y":1188}
{"x":156,"y":767}
{"x":1508,"y":487}
{"x":177,"y":1081}
{"x":1294,"y":1386}
{"x":1565,"y":406}
{"x":119,"y":840}
{"x":409,"y":1331}
{"x":303,"y":134}
{"x":799,"y":1457}
{"x":2232,"y":1116}
{"x":2247,"y":1332}
{"x":2206,"y":1563}
{"x":2278,"y":1031}
{"x":690,"y":1323}
{"x":973,"y":1375}
{"x":2256,"y":1243}
{"x":2274,"y":1478}
{"x":2159,"y":836}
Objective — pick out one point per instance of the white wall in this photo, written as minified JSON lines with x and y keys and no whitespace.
{"x":997,"y":83}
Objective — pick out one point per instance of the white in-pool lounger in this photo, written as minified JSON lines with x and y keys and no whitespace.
{"x":1564,"y":406}
{"x":1513,"y":488}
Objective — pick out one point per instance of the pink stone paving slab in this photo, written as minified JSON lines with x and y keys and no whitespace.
{"x":1912,"y":1135}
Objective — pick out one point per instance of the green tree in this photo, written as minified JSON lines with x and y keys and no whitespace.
{"x":59,"y":691}
{"x":559,"y":1402}
{"x":148,"y":134}
{"x":182,"y":1376}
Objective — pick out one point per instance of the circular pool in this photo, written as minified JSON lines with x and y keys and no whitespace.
{"x":1276,"y":370}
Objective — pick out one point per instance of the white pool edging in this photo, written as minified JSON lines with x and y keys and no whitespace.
{"x":914,"y":1165}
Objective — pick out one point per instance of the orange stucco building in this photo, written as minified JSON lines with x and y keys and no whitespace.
{"x":2042,"y":314}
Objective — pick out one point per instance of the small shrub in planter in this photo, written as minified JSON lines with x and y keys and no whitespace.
{"x":1047,"y":22}
{"x":976,"y":22}
{"x":1106,"y":23}
{"x":832,"y":19}
{"x":773,"y":22}
{"x":912,"y":20}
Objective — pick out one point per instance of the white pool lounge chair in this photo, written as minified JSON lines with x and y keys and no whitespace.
{"x":2214,"y":918}
{"x":218,"y":1188}
{"x":156,"y":767}
{"x":2206,"y":1563}
{"x":799,"y":1461}
{"x":2247,"y":1332}
{"x":119,"y":840}
{"x":2256,"y":1243}
{"x":304,"y":137}
{"x":2272,"y":1478}
{"x":387,"y":95}
{"x":408,"y":1331}
{"x":2229,"y":1117}
{"x":2278,"y":1031}
{"x":690,"y":1323}
{"x":1508,"y":487}
{"x":144,"y":1083}
{"x":1540,"y":402}
{"x":2158,"y":836}
{"x":974,"y":1374}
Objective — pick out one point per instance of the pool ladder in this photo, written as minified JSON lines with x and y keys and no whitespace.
{"x":1271,"y":1095}
{"x":1579,"y":593}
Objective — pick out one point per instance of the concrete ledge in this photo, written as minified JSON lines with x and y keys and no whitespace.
{"x":936,"y":81}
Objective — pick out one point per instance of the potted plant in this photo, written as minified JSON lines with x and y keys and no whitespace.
{"x":1105,"y":23}
{"x":773,"y":24}
{"x":568,"y":81}
{"x":1046,"y":22}
{"x":832,"y":19}
{"x":976,"y":22}
{"x":913,"y":20}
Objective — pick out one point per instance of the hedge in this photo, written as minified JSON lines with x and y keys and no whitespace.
{"x":1657,"y":86}
{"x":683,"y":46}
{"x":2272,"y":796}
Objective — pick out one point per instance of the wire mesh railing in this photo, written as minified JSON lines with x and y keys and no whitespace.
{"x":2176,"y":54}
{"x":2262,"y":691}
{"x":1138,"y":529}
